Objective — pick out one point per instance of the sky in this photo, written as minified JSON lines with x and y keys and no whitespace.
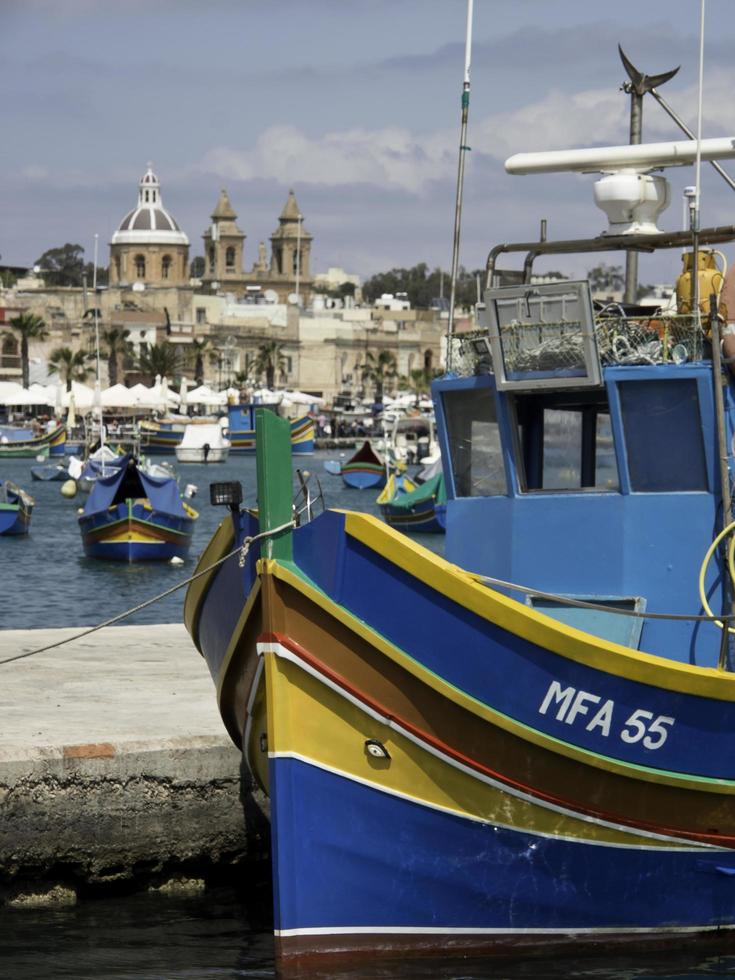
{"x":355,"y":104}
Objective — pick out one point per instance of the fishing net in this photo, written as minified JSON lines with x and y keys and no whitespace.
{"x":559,"y":347}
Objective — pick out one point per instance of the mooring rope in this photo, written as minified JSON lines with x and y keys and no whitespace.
{"x":241,"y":550}
{"x":596,"y":606}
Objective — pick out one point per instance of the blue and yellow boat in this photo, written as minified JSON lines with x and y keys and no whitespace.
{"x":131,"y":516}
{"x":161,"y":436}
{"x":22,"y":443}
{"x":16,"y":507}
{"x":241,"y":430}
{"x":531,"y":740}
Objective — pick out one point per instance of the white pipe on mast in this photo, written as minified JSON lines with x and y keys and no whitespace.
{"x":463,"y":148}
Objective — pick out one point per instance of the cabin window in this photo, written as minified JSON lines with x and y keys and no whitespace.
{"x":474,"y":437}
{"x":565,"y":442}
{"x":663,"y":435}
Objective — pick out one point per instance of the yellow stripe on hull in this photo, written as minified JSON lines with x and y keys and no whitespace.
{"x":566,"y":641}
{"x":704,"y":784}
{"x":310,"y":720}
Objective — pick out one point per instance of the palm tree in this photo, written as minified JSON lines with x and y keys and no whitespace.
{"x":118,"y":345}
{"x":200,"y":348}
{"x":70,"y":365}
{"x":158,"y":359}
{"x":420,"y":381}
{"x":379,"y":369}
{"x":30,"y":327}
{"x":269,"y":359}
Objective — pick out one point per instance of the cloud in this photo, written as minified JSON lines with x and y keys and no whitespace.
{"x":392,"y":157}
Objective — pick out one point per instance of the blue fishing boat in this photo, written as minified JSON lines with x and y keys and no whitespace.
{"x":364,"y":469}
{"x":16,"y":507}
{"x":48,"y":472}
{"x":531,"y":740}
{"x":161,"y":436}
{"x":241,"y":430}
{"x":132,"y":516}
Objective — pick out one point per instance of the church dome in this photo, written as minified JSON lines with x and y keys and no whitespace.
{"x":149,"y":223}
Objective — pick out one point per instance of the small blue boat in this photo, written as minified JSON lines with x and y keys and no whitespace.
{"x":47,"y":472}
{"x":365,"y":469}
{"x":16,"y":507}
{"x":131,"y":516}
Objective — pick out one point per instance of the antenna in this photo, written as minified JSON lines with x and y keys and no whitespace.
{"x":637,"y":87}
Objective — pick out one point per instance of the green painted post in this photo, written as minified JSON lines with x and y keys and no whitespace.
{"x":275,"y":482}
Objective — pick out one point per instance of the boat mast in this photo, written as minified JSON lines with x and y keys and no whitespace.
{"x":97,"y":392}
{"x":463,"y":148}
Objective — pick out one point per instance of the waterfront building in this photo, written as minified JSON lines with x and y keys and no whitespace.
{"x":227,"y":315}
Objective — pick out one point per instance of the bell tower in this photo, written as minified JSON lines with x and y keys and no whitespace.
{"x":291,"y":250}
{"x":224,"y":246}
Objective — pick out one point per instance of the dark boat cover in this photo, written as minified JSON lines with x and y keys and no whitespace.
{"x":128,"y":481}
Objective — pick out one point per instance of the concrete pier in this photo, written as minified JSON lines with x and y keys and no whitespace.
{"x":113,"y":760}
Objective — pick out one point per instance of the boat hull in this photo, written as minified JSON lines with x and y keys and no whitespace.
{"x":47,"y":472}
{"x":422,"y":802}
{"x":160,"y":439}
{"x":131,"y":532}
{"x":302,"y":438}
{"x":15,"y":519}
{"x":427,"y":518}
{"x":215,"y":455}
{"x":363,"y":476}
{"x":48,"y":444}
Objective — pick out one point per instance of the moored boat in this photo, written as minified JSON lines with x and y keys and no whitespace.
{"x":16,"y":507}
{"x":364,"y":469}
{"x":418,"y":509}
{"x":241,"y":430}
{"x":532,"y":740}
{"x":22,"y":443}
{"x":131,"y":516}
{"x":161,"y":436}
{"x":47,"y":472}
{"x":203,"y":444}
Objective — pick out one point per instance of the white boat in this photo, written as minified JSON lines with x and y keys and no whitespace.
{"x":203,"y":444}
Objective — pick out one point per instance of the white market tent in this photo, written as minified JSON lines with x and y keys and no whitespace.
{"x":118,"y":396}
{"x":10,"y":391}
{"x":83,"y":396}
{"x":204,"y":395}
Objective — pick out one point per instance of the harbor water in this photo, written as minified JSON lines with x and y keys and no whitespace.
{"x":223,"y":931}
{"x":49,"y":582}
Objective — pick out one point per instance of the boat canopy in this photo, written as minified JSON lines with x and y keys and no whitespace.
{"x":433,"y":488}
{"x":197,"y":436}
{"x":128,"y":482}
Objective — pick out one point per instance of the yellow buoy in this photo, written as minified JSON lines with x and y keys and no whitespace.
{"x":69,"y":488}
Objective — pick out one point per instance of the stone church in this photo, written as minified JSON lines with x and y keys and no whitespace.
{"x":286,"y":274}
{"x":150,"y":250}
